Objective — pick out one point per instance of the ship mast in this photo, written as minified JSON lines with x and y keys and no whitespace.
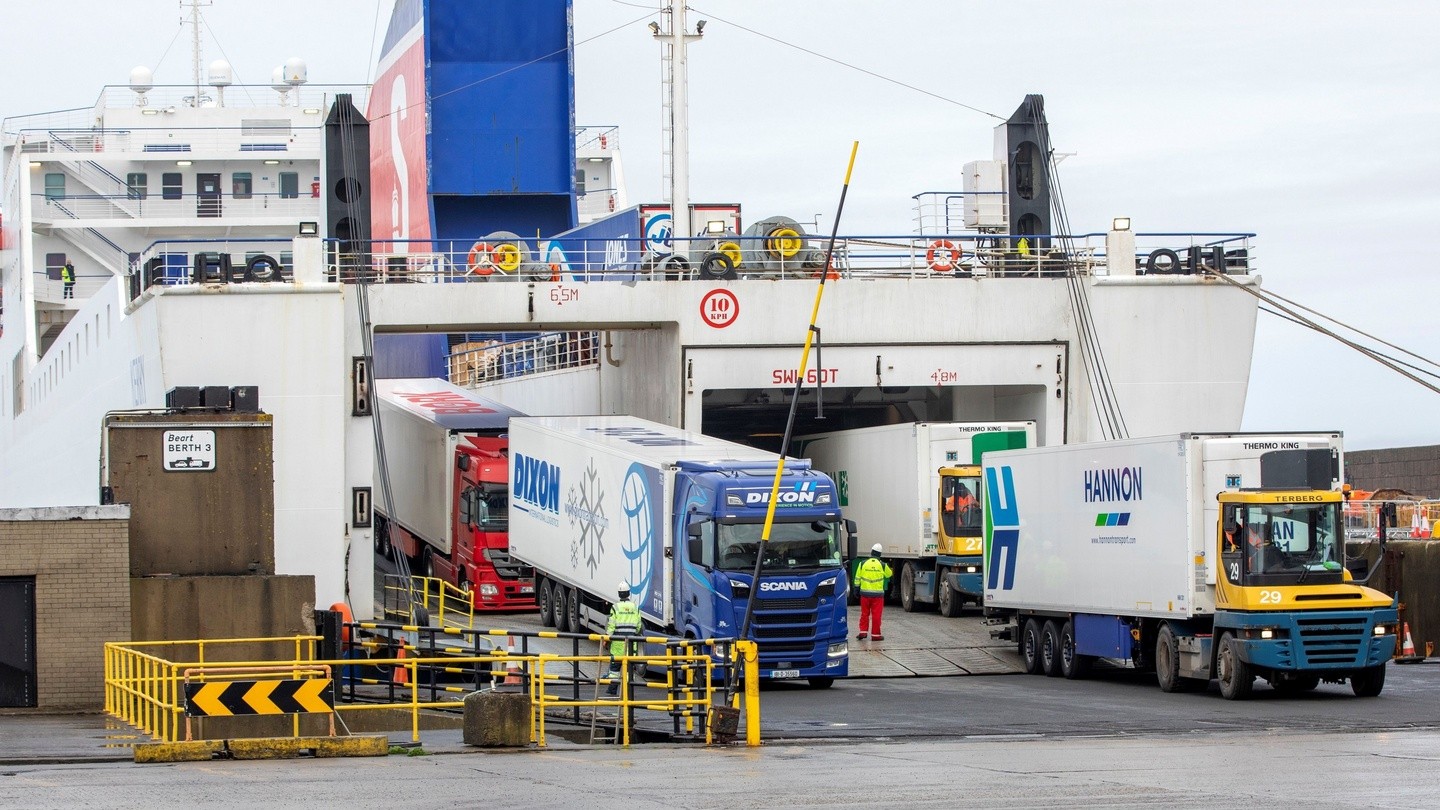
{"x":195,"y":51}
{"x":674,"y":40}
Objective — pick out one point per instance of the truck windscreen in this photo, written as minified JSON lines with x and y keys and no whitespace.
{"x":792,"y":546}
{"x":1287,"y":542}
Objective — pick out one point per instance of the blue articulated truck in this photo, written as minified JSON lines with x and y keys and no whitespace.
{"x":678,"y":516}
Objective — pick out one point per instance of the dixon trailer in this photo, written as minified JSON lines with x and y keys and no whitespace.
{"x":448,"y":458}
{"x":679,"y":516}
{"x":889,"y":477}
{"x":1198,"y":556}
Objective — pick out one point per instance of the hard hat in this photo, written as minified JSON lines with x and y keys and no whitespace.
{"x":623,"y":588}
{"x":877,"y":549}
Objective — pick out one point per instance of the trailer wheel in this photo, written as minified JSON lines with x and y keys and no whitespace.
{"x":545,"y":599}
{"x":1030,"y":646}
{"x":907,"y":587}
{"x":1073,"y":665}
{"x":1050,"y":649}
{"x":1368,"y":682}
{"x":1167,"y":663}
{"x":572,"y":610}
{"x":382,"y":540}
{"x":950,"y":602}
{"x":1236,"y":677}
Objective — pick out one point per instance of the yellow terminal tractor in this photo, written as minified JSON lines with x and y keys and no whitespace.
{"x":1197,"y":556}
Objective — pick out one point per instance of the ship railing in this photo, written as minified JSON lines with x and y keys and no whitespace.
{"x":47,"y":209}
{"x":740,"y":257}
{"x":279,"y":137}
{"x":475,"y":364}
{"x":597,"y":140}
{"x":596,"y":203}
{"x":171,"y":263}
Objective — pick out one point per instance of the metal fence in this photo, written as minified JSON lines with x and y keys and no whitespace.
{"x":471,"y":365}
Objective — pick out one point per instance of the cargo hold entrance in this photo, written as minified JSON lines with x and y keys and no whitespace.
{"x":743,"y":394}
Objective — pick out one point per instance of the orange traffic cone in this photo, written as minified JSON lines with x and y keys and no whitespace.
{"x":1408,"y":649}
{"x":512,"y":667}
{"x":402,"y":675}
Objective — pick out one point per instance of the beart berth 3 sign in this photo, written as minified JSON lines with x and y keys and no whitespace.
{"x":189,"y":451}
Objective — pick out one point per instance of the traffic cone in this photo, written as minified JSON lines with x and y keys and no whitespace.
{"x":1408,"y":649}
{"x":402,"y":675}
{"x":512,"y":667}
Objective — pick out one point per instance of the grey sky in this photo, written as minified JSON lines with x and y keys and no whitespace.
{"x":1311,"y":124}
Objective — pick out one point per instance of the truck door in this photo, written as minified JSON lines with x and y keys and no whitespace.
{"x":694,"y":564}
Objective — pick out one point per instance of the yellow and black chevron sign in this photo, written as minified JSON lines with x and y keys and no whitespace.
{"x":228,"y":698}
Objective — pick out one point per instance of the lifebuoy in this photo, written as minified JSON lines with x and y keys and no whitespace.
{"x":942,"y":256}
{"x":480,"y":261}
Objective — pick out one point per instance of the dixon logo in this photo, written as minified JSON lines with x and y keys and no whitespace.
{"x":802,"y":493}
{"x":537,"y":483}
{"x":782,"y":586}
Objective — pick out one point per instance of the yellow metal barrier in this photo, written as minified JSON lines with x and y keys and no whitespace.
{"x":146,"y":690}
{"x":447,"y":604}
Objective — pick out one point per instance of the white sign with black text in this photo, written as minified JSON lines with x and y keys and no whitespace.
{"x":189,"y":450}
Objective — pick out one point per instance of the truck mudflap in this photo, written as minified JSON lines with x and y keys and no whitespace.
{"x":1319,"y":641}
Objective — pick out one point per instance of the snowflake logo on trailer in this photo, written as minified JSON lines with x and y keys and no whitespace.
{"x":639,"y":531}
{"x":657,"y":234}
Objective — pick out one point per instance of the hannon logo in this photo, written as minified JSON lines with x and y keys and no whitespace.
{"x":1118,"y":484}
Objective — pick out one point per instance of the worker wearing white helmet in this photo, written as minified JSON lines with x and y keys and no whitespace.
{"x":872,"y":577}
{"x":624,"y":621}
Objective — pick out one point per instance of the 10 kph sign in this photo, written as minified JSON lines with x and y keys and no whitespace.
{"x":719,"y":308}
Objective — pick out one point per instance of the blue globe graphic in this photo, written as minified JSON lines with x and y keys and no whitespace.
{"x":639,"y":531}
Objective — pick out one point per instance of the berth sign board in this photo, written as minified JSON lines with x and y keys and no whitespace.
{"x":189,"y":450}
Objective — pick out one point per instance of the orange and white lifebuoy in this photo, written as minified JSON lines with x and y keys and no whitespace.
{"x":943,"y":256}
{"x":481,"y":261}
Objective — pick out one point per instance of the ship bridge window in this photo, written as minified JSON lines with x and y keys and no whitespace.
{"x":241,"y":185}
{"x":137,"y":185}
{"x":172,"y":185}
{"x":289,"y":185}
{"x":54,"y":185}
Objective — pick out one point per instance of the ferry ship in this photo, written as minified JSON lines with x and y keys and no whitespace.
{"x":300,"y":239}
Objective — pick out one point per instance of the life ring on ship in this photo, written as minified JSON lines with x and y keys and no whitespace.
{"x":480,"y":261}
{"x":942,"y":256}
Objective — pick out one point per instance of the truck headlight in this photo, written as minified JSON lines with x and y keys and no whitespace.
{"x":1381,"y":629}
{"x":972,"y":569}
{"x":486,"y":589}
{"x":1262,"y":632}
{"x":838,"y":650}
{"x":822,"y":498}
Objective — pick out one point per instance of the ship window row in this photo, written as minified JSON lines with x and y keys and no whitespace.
{"x":172,"y":185}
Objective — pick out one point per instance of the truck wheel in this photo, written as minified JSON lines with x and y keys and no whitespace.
{"x":821,"y":683}
{"x":1368,"y":682}
{"x":543,"y":597}
{"x":427,"y":564}
{"x":1050,"y":649}
{"x":950,"y":602}
{"x":382,"y":540}
{"x":1236,"y":677}
{"x":1030,"y":646}
{"x":572,"y":610}
{"x":557,"y":598}
{"x":1073,"y":665}
{"x":1167,"y":663}
{"x":907,"y":587}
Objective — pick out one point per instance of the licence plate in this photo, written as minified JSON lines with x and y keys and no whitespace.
{"x":784,"y":673}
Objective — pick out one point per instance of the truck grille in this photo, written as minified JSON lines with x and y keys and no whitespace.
{"x":809,"y":603}
{"x":1336,"y":640}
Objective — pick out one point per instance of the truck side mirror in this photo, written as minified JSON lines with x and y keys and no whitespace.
{"x":462,"y":462}
{"x":852,"y":540}
{"x":695,"y":546}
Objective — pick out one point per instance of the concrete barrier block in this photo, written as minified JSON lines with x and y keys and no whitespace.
{"x":497,"y":719}
{"x":191,"y":751}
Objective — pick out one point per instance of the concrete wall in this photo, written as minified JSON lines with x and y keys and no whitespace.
{"x":80,"y":558}
{"x":1413,"y":469}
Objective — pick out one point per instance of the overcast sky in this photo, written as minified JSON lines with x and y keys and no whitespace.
{"x":1310,"y":124}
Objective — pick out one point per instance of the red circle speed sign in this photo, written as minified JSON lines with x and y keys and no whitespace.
{"x":719,"y":308}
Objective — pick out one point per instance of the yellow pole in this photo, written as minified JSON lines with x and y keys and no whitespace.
{"x":750,"y":654}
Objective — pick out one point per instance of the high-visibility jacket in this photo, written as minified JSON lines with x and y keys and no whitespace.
{"x":624,"y":620}
{"x":872,"y":576}
{"x":67,"y":273}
